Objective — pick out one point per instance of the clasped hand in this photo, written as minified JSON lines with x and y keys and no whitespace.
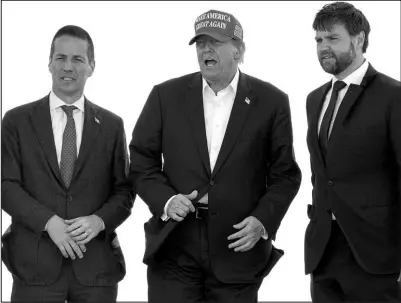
{"x":71,"y":235}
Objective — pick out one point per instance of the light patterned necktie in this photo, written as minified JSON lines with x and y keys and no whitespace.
{"x":69,"y":147}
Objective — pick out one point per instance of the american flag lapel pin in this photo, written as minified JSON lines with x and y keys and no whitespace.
{"x":97,"y":120}
{"x":247,"y":101}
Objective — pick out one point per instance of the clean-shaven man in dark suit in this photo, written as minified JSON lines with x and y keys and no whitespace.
{"x":227,"y":177}
{"x":64,"y":164}
{"x":354,"y":137}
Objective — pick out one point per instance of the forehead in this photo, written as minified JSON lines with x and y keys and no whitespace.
{"x":68,"y":45}
{"x":336,"y":29}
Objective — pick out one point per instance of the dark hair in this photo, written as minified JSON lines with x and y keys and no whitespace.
{"x":344,"y":13}
{"x":77,"y":32}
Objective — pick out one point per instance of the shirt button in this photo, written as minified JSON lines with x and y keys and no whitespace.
{"x":330,"y":183}
{"x":211,"y":182}
{"x":69,"y":198}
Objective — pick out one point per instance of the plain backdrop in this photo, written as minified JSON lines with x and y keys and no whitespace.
{"x":140,"y":44}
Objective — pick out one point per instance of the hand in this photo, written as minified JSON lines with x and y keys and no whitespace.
{"x":250,"y":233}
{"x":181,"y":205}
{"x":84,"y":229}
{"x":56,"y":228}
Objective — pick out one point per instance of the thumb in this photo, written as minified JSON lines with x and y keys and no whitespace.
{"x":192,"y":195}
{"x":242,"y":224}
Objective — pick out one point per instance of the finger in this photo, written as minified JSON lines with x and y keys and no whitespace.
{"x":238,"y":234}
{"x":82,"y":247}
{"x":86,"y":240}
{"x":183,"y":207}
{"x":73,"y":226}
{"x":247,"y":246}
{"x":188,"y":204}
{"x":70,"y":221}
{"x":176,"y":217}
{"x":192,"y":195}
{"x":76,"y":248}
{"x":63,"y":251}
{"x":241,"y":224}
{"x":238,"y":243}
{"x":80,"y":237}
{"x":180,"y":212}
{"x":69,"y":250}
{"x":77,"y":232}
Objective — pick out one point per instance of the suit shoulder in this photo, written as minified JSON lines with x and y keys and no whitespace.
{"x":317,"y":90}
{"x":22,"y":110}
{"x":106,"y":114}
{"x":387,"y":82}
{"x":265,"y":87}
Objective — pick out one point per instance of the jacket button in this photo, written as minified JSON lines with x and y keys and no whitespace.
{"x":211,"y":182}
{"x":69,"y":198}
{"x":330,"y":183}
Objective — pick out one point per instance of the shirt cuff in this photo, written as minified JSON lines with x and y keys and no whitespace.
{"x":164,"y":216}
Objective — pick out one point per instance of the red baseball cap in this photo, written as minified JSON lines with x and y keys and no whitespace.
{"x":218,"y":25}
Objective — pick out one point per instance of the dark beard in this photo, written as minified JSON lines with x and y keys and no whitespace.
{"x":342,"y":62}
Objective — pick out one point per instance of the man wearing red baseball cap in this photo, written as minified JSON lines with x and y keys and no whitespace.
{"x":227,"y":177}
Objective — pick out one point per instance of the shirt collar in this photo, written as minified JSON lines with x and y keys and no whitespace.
{"x":233,"y":84}
{"x":56,"y":102}
{"x":356,"y":76}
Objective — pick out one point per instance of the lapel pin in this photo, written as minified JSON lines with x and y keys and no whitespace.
{"x":97,"y":120}
{"x":247,"y":101}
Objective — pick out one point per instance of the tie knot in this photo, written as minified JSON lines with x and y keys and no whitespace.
{"x":339,"y":85}
{"x":68,"y":110}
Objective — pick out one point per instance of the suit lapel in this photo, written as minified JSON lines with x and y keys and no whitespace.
{"x":194,"y":108}
{"x":92,"y":122}
{"x":236,"y":121}
{"x":353,"y":93}
{"x":42,"y":124}
{"x":316,"y":108}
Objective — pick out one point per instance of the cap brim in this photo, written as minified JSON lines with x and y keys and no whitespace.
{"x":217,"y":36}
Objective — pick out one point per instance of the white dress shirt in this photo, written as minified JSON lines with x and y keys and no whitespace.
{"x":355,"y":78}
{"x":217,"y":110}
{"x":59,"y":121}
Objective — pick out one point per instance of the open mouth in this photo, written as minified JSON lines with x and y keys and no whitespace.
{"x":210,"y":63}
{"x":326,"y":58}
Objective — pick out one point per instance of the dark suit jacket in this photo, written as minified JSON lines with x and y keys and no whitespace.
{"x":255,"y":173}
{"x":33,"y":191}
{"x":360,"y":181}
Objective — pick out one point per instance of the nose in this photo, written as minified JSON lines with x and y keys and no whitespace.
{"x":67,"y":65}
{"x":207,"y":47}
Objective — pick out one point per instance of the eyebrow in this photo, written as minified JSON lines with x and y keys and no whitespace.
{"x":329,"y":35}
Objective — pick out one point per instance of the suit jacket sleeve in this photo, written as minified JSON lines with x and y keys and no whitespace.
{"x":118,"y":206}
{"x":395,"y":139}
{"x":18,"y":203}
{"x":146,"y":172}
{"x":284,"y":175}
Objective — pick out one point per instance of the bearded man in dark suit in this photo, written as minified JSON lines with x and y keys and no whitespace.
{"x":352,"y":243}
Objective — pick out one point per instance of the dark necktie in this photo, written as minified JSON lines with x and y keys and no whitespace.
{"x":328,"y":116}
{"x":69,"y":147}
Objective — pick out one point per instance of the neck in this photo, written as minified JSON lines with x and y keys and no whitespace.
{"x":219,"y":84}
{"x":68,"y":99}
{"x":359,"y":60}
